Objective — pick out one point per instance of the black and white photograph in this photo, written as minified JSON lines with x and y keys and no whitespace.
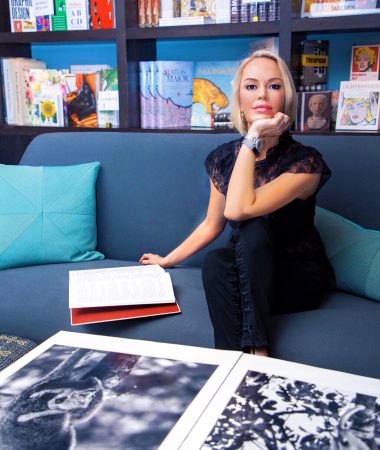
{"x":80,"y":398}
{"x":269,"y":411}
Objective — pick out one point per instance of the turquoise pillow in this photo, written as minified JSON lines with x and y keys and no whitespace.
{"x":47,"y":214}
{"x":354,"y":253}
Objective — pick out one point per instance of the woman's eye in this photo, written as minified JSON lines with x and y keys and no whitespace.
{"x":275,"y":86}
{"x":250,"y":87}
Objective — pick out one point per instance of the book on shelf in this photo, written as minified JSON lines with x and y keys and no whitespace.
{"x":147,"y":77}
{"x":120,"y":293}
{"x":15,"y":85}
{"x":359,"y":106}
{"x":200,"y":8}
{"x":314,"y":111}
{"x":88,"y":68}
{"x":41,"y":82}
{"x":271,"y":44}
{"x":212,"y":91}
{"x":22,"y":16}
{"x":181,"y":397}
{"x":328,"y":8}
{"x":82,"y":99}
{"x":101,"y":14}
{"x":365,"y":62}
{"x":313,"y":65}
{"x":50,"y":109}
{"x":77,"y":14}
{"x":182,"y":21}
{"x":108,"y":99}
{"x":170,"y":8}
{"x":174,"y":93}
{"x":59,"y":19}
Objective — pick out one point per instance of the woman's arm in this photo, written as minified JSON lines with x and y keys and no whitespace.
{"x":244,"y":202}
{"x":204,"y":234}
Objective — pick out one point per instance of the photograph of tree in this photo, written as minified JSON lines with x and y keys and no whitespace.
{"x":277,"y":413}
{"x":76,"y":398}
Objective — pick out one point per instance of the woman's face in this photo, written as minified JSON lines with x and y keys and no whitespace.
{"x":262,"y":92}
{"x":363,"y":62}
{"x":317,"y":105}
{"x":357,"y":111}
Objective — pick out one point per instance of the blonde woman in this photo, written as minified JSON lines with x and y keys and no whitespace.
{"x":264,"y":184}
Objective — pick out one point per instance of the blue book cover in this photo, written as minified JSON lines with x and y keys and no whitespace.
{"x":174,"y":93}
{"x":212,"y":92}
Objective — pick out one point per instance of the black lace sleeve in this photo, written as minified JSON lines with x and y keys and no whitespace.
{"x":306,"y":160}
{"x":219,"y":164}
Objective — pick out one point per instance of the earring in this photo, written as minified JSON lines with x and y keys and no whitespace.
{"x":242,"y":116}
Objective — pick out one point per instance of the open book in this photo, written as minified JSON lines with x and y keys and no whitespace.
{"x":106,"y":392}
{"x":100,"y":295}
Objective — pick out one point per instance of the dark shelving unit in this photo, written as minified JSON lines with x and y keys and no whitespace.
{"x":135,"y":44}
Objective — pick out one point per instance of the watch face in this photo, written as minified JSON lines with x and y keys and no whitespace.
{"x":259,"y":144}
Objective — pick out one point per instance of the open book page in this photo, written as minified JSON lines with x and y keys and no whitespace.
{"x":120,"y":286}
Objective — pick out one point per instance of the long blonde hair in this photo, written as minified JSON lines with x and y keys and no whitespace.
{"x":290,"y":108}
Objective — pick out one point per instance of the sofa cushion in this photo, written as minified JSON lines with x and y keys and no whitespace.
{"x":47,"y":214}
{"x":354,"y":253}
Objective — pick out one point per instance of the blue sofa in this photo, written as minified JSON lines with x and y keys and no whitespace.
{"x":151,"y":192}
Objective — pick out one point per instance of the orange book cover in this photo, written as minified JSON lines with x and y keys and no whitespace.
{"x":80,"y":316}
{"x":101,"y":14}
{"x":81,"y":101}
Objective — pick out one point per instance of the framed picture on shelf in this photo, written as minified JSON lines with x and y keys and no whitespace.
{"x":365,"y":62}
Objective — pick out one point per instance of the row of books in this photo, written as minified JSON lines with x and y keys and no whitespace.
{"x":84,"y":96}
{"x":355,"y":107}
{"x":328,"y":8}
{"x":60,"y":15}
{"x":182,"y":93}
{"x":153,"y":13}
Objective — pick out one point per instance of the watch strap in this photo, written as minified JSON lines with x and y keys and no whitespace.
{"x":251,"y":144}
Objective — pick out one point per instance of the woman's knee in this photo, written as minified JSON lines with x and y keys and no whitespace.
{"x":255,"y":235}
{"x":216,"y":264}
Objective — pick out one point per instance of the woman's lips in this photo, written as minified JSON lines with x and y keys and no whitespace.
{"x":262,"y":108}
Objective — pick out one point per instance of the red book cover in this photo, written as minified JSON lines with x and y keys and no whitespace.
{"x":80,"y":316}
{"x":101,"y":14}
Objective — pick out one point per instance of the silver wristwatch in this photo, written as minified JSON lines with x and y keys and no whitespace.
{"x":254,"y":143}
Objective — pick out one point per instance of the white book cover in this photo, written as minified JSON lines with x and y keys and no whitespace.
{"x":267,"y":403}
{"x":22,"y":16}
{"x":77,"y":14}
{"x":82,"y":391}
{"x":270,"y":44}
{"x":50,"y":109}
{"x":358,"y":107}
{"x":135,"y":285}
{"x":9,"y":90}
{"x":327,"y":8}
{"x":43,"y":7}
{"x":223,"y":11}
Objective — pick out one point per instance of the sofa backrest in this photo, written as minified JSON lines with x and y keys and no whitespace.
{"x":153,"y":188}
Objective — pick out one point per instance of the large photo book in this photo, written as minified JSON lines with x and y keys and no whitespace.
{"x":80,"y":391}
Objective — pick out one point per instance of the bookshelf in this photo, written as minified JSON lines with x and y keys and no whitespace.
{"x":134,"y":44}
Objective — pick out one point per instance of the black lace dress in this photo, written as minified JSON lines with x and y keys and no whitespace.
{"x":300,"y":254}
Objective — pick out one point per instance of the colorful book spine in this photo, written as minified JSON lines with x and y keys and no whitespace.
{"x":59,"y":20}
{"x":8,"y":90}
{"x":77,"y":14}
{"x":174,"y":93}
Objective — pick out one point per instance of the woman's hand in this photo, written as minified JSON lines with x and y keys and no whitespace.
{"x":274,"y":126}
{"x":151,"y":258}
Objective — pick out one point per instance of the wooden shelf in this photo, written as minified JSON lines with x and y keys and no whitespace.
{"x":362,"y":22}
{"x":202,"y":31}
{"x":58,"y":36}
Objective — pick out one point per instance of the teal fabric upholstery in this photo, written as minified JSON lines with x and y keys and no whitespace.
{"x":354,"y":253}
{"x":48,"y":214}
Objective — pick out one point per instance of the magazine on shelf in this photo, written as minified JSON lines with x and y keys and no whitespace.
{"x":83,"y":391}
{"x":212,"y":91}
{"x":100,"y":295}
{"x":88,"y":391}
{"x":359,"y":106}
{"x":365,"y":62}
{"x":327,"y":8}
